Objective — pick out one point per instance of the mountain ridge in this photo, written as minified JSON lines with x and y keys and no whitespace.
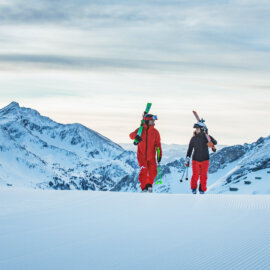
{"x":36,"y":151}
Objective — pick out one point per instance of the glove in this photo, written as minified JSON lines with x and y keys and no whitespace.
{"x":210,"y":144}
{"x":159,"y":159}
{"x":187,"y":161}
{"x":138,"y":138}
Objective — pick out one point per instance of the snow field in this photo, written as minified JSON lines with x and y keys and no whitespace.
{"x":42,"y":229}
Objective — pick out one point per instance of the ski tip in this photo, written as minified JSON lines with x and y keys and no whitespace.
{"x":148,"y":107}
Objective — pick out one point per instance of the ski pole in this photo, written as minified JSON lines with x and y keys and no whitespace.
{"x":181,"y":180}
{"x":159,"y":176}
{"x":160,"y":181}
{"x":158,"y":168}
{"x":187,"y":174}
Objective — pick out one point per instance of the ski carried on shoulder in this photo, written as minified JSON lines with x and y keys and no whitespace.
{"x":210,"y":143}
{"x":148,"y":107}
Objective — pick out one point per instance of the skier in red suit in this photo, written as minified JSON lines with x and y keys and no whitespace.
{"x":200,"y":158}
{"x":149,"y":141}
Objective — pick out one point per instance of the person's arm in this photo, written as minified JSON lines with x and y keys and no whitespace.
{"x":158,"y":145}
{"x":133,"y":134}
{"x":213,"y":140}
{"x":190,"y":148}
{"x":189,"y":152}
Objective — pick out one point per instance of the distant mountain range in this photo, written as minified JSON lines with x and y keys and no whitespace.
{"x":37,"y":152}
{"x":171,"y":152}
{"x":236,"y":169}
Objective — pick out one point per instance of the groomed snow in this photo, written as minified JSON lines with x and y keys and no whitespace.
{"x":44,"y":229}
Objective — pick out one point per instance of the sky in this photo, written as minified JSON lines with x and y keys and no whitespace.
{"x":99,"y":62}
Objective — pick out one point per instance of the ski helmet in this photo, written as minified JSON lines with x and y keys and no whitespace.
{"x":148,"y":117}
{"x":200,"y":125}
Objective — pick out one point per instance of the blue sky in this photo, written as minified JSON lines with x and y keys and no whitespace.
{"x":99,"y":62}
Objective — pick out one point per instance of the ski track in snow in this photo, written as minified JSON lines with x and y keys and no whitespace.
{"x":109,"y":230}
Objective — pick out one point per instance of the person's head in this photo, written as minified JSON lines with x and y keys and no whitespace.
{"x":197,"y":130}
{"x":199,"y":127}
{"x":149,"y":119}
{"x":151,"y":122}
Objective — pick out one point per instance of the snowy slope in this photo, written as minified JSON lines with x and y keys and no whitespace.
{"x":85,"y":230}
{"x":38,"y":152}
{"x":250,"y":173}
{"x":244,"y":167}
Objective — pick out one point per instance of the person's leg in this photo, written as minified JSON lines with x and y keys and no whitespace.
{"x":195,"y":174}
{"x":152,"y":166}
{"x":203,"y":177}
{"x":200,"y":173}
{"x":143,"y":174}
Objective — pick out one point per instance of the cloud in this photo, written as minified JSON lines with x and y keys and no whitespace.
{"x":124,"y":34}
{"x":116,"y":55}
{"x":44,"y":61}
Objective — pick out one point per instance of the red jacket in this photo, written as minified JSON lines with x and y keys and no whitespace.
{"x":148,"y":146}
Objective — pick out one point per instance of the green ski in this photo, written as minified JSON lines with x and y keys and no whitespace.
{"x":148,"y":107}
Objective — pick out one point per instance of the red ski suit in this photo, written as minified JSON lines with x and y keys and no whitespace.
{"x":146,"y":154}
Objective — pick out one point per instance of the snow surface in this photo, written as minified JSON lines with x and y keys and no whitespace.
{"x":49,"y":229}
{"x":256,"y":186}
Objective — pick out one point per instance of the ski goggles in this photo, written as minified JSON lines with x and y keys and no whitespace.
{"x":154,"y":117}
{"x":199,"y":125}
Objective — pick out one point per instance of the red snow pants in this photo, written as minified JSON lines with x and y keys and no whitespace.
{"x":199,"y":170}
{"x":148,"y":172}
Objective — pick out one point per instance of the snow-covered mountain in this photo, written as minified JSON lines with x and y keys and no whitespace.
{"x":171,"y":152}
{"x":38,"y":152}
{"x":241,"y":169}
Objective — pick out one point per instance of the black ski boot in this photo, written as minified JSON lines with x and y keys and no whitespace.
{"x":200,"y":189}
{"x":194,"y":191}
{"x":149,"y":188}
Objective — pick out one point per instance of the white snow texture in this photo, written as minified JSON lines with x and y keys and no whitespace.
{"x":82,"y":230}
